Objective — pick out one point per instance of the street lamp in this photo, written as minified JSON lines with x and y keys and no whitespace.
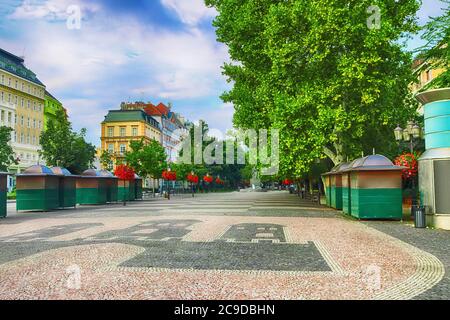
{"x":411,"y":132}
{"x":192,"y":184}
{"x":168,"y":185}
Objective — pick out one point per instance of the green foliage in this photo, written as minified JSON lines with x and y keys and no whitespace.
{"x":147,"y":160}
{"x":63,"y":147}
{"x":437,"y":49}
{"x":314,"y":70}
{"x":7,"y":157}
{"x":106,"y":160}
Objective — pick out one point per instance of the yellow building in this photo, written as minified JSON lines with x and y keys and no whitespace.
{"x":425,"y":72}
{"x":23,"y":93}
{"x":120,"y":127}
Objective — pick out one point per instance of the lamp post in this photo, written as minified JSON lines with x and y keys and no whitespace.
{"x":168,"y":185}
{"x":192,"y":184}
{"x":409,"y":134}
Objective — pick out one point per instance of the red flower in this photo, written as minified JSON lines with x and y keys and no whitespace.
{"x":124,"y":172}
{"x":409,"y":161}
{"x":192,"y":178}
{"x":208,"y":179}
{"x":169,"y":175}
{"x":287,"y":182}
{"x":219,"y":181}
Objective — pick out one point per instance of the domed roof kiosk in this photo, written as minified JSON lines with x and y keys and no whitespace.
{"x":111,"y":186}
{"x":373,"y":189}
{"x":37,"y":189}
{"x":333,"y":186}
{"x":3,"y":193}
{"x":91,"y":188}
{"x":67,"y":193}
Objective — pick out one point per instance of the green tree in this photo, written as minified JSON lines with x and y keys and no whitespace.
{"x":106,"y":160}
{"x":61,"y":146}
{"x":436,"y":52}
{"x":147,"y":159}
{"x":7,"y":157}
{"x":317,"y":71}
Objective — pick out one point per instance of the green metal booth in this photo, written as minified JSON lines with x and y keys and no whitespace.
{"x":333,"y":186}
{"x":67,"y":184}
{"x":111,"y":186}
{"x":37,"y":189}
{"x":3,"y":194}
{"x":124,"y":193}
{"x":91,"y":188}
{"x":373,"y":189}
{"x":138,"y":187}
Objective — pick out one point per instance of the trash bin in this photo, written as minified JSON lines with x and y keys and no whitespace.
{"x":420,"y":218}
{"x":111,"y":186}
{"x":67,"y":184}
{"x":375,"y":188}
{"x":91,"y":188}
{"x":3,"y":194}
{"x":138,"y":187}
{"x":37,"y":189}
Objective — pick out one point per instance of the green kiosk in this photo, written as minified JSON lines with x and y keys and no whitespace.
{"x":91,"y":188}
{"x":138,"y":187}
{"x":67,"y":184}
{"x":37,"y":189}
{"x":3,"y":193}
{"x":373,"y":189}
{"x":111,"y":186}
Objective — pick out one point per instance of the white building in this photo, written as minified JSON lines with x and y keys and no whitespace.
{"x":8,"y":119}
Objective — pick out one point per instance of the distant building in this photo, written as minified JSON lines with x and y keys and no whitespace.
{"x":120,"y":127}
{"x":22,"y":97}
{"x":173,"y":125}
{"x":52,"y":107}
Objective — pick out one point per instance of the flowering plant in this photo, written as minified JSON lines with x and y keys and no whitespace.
{"x":169,"y":175}
{"x":192,"y":178}
{"x":287,"y":182}
{"x":124,"y":172}
{"x":409,"y":161}
{"x":219,"y":181}
{"x":208,"y":179}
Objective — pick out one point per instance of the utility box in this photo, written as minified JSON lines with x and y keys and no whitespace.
{"x":3,"y":194}
{"x":138,"y":187}
{"x":91,"y":188}
{"x":111,"y":186}
{"x":37,"y":189}
{"x":67,"y":188}
{"x":375,"y":188}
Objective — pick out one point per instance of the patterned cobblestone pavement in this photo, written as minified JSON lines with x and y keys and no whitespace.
{"x":217,"y":246}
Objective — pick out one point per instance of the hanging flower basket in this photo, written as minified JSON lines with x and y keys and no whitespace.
{"x":287,"y":182}
{"x":169,"y":175}
{"x":192,"y":178}
{"x":208,"y":179}
{"x":409,"y":161}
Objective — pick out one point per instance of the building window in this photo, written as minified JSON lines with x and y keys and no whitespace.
{"x":111,"y":148}
{"x":123,"y":131}
{"x":123,"y":149}
{"x":110,"y":131}
{"x":134,"y":131}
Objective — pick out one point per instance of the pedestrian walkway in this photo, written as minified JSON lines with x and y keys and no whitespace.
{"x":249,"y":245}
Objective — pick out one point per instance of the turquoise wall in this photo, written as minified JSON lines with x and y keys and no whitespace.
{"x":437,"y":124}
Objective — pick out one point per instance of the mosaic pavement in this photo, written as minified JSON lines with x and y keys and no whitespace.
{"x":217,"y":246}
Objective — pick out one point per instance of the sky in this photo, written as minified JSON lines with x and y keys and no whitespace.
{"x":133,"y":50}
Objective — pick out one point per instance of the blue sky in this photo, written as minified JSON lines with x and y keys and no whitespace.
{"x":148,"y":50}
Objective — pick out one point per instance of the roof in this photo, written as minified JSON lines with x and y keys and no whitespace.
{"x":433,"y":95}
{"x":15,"y":65}
{"x":37,"y":170}
{"x":373,"y":162}
{"x":163,"y":108}
{"x":130,"y":115}
{"x":61,"y":171}
{"x":51,"y":96}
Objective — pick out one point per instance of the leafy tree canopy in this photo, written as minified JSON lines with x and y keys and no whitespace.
{"x":7,"y":157}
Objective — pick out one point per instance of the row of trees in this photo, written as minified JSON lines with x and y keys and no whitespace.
{"x":332,"y":78}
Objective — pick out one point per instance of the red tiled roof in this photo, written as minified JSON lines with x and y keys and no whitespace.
{"x":163,"y":108}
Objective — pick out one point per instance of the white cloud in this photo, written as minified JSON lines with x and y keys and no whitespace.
{"x":190,"y":12}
